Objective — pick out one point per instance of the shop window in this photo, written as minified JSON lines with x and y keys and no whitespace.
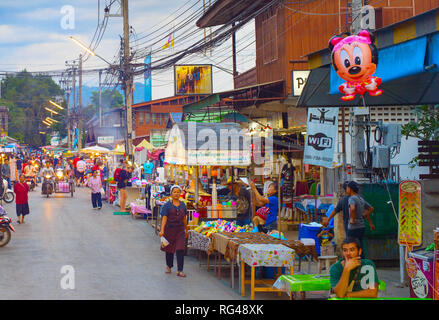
{"x":140,"y":118}
{"x":146,"y":117}
{"x":153,"y":115}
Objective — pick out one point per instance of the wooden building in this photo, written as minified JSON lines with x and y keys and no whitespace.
{"x":150,"y":118}
{"x":289,"y":30}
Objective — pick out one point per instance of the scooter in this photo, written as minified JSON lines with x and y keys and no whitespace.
{"x":7,"y":195}
{"x":47,"y":187}
{"x":5,"y":228}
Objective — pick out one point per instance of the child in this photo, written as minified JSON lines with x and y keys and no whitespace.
{"x":95,"y":184}
{"x":21,"y":190}
{"x":325,"y":235}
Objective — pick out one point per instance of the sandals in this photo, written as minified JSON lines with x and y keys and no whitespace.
{"x":18,"y":221}
{"x":181,"y":274}
{"x":168,"y":270}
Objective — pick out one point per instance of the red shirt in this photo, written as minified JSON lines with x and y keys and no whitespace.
{"x":21,"y":191}
{"x":75,"y":161}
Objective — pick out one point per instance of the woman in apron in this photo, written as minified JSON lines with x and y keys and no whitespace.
{"x":174,"y":230}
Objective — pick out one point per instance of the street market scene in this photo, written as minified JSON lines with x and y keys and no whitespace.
{"x":220,"y":150}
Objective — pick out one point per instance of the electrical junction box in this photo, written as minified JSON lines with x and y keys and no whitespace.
{"x":392,"y":134}
{"x":381,"y":157}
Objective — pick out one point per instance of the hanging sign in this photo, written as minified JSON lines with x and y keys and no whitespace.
{"x":321,"y":136}
{"x":410,"y":218}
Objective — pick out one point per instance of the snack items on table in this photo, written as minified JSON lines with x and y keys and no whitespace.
{"x":210,"y":227}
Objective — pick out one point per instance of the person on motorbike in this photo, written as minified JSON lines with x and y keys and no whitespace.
{"x":48,"y":170}
{"x":29,"y":172}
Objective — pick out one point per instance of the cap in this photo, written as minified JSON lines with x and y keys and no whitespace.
{"x":354,"y":186}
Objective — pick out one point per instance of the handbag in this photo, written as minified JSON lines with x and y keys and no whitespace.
{"x":263,"y":212}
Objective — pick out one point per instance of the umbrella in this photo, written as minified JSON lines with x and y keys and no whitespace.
{"x":95,"y":149}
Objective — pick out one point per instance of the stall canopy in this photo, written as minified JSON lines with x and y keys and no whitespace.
{"x":221,"y":144}
{"x":145,"y":145}
{"x":97,"y":149}
{"x":407,"y":65}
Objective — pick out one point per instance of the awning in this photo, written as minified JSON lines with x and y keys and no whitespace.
{"x":237,"y":99}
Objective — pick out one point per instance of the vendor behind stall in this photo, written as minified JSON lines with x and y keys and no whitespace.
{"x":242,"y":197}
{"x":271,"y":202}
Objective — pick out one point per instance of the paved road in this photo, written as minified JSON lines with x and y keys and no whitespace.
{"x":114,"y":257}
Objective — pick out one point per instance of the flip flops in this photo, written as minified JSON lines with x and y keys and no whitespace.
{"x":181,"y":274}
{"x":168,"y":270}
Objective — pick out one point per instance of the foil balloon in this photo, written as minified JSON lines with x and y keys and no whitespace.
{"x":355,"y":60}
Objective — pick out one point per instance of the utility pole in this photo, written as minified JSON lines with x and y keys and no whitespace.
{"x":100,"y":98}
{"x":128,"y":78}
{"x":80,"y":105}
{"x":72,"y":131}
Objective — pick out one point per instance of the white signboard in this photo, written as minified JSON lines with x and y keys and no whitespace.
{"x":321,"y":135}
{"x":299,"y":80}
{"x":105,"y":140}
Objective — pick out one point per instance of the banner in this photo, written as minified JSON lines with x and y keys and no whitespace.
{"x":410,"y":217}
{"x":193,"y":79}
{"x":321,"y":136}
{"x":147,"y":76}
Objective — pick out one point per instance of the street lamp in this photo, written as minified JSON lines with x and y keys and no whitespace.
{"x":51,"y":111}
{"x":51,"y":120}
{"x":79,"y":43}
{"x":56,"y":105}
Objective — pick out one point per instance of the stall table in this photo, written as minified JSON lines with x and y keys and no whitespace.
{"x":136,"y":210}
{"x":302,"y":283}
{"x":263,"y":255}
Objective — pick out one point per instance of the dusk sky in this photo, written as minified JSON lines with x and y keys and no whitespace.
{"x":32,"y":37}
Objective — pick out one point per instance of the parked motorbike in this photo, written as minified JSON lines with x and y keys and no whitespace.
{"x":47,"y":186}
{"x":7,"y":195}
{"x":5,"y":228}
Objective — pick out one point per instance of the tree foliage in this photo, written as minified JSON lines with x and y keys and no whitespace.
{"x":26,"y":96}
{"x":425,"y":128}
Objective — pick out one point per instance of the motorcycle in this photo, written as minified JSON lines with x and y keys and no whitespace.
{"x":47,"y":186}
{"x":7,"y":195}
{"x":31,"y":183}
{"x":5,"y":228}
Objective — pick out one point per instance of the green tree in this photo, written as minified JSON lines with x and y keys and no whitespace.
{"x":425,"y":128}
{"x":26,"y":97}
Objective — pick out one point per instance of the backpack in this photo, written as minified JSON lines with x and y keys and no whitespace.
{"x":116,"y":174}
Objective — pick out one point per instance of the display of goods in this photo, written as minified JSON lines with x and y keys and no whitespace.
{"x":210,"y":227}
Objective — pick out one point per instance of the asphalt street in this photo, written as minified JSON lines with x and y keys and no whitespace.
{"x":113,"y":257}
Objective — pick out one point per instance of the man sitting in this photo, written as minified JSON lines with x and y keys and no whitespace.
{"x":354,"y":277}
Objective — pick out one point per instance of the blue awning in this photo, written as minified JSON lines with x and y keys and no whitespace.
{"x":399,"y":61}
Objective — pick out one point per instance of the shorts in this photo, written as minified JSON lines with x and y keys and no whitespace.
{"x":22,"y":209}
{"x":78,"y":175}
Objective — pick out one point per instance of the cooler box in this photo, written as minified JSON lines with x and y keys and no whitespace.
{"x":421,"y":286}
{"x":310,"y":231}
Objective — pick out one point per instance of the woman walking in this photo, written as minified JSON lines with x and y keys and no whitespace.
{"x":174,"y":230}
{"x":21,"y":190}
{"x":95,"y":184}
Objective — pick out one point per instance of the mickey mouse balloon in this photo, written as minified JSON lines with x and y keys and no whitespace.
{"x":355,"y":60}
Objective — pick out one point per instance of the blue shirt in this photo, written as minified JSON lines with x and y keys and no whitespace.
{"x":273,"y":205}
{"x":147,"y":167}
